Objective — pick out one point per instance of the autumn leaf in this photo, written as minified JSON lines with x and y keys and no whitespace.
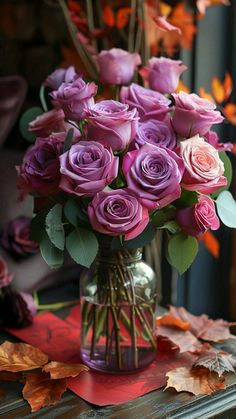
{"x":61,"y":370}
{"x":184,"y":339}
{"x":166,"y":26}
{"x":230,"y":112}
{"x":218,"y":90}
{"x":211,"y":242}
{"x":40,"y":390}
{"x":218,"y":362}
{"x":182,"y":87}
{"x":199,"y":381}
{"x":168,"y":320}
{"x":16,"y":357}
{"x":184,"y":20}
{"x":108,"y":16}
{"x":228,"y":85}
{"x":10,"y":376}
{"x":122,"y":17}
{"x":205,"y":95}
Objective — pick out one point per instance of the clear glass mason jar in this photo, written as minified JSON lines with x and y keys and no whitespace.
{"x":118,"y":304}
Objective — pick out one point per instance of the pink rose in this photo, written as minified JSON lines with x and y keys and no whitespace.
{"x":59,"y":76}
{"x":150,"y":104}
{"x":154,"y":174}
{"x":74,"y":98}
{"x":51,"y":121}
{"x":118,"y":212}
{"x":117,"y":66}
{"x":112,"y":123}
{"x":164,"y":73}
{"x":87,"y":168}
{"x":203,"y":167}
{"x":199,"y":218}
{"x":194,"y":115}
{"x":213,"y":139}
{"x":5,"y":277}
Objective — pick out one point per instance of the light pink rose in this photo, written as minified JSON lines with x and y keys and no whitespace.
{"x":5,"y":277}
{"x":198,"y":218}
{"x":118,"y":212}
{"x":194,"y":115}
{"x":203,"y":167}
{"x":164,"y":73}
{"x":117,"y":66}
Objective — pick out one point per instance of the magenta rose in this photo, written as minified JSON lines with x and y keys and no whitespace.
{"x":118,"y":212}
{"x":74,"y":98}
{"x":117,"y":66}
{"x":112,"y":123}
{"x":15,"y":238}
{"x":40,"y":169}
{"x":194,"y":115}
{"x":213,"y":139}
{"x":203,"y":167}
{"x":154,"y":174}
{"x":199,"y":218}
{"x":163,"y":74}
{"x":59,"y":76}
{"x":150,"y":104}
{"x":87,"y":168}
{"x":155,"y":132}
{"x":5,"y":277}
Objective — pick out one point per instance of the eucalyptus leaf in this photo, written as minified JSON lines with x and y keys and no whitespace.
{"x":143,"y":239}
{"x":27,"y":117}
{"x":182,"y":250}
{"x":51,"y":254}
{"x":226,"y":208}
{"x":82,"y":246}
{"x":54,"y":226}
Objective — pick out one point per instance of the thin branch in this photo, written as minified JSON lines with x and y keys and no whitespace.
{"x":132,"y":26}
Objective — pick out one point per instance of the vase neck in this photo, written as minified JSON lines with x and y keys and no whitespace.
{"x":122,"y":256}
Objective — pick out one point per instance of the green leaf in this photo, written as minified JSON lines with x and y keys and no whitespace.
{"x":75,"y":213}
{"x":228,"y":173}
{"x":82,"y":246}
{"x":68,"y":139}
{"x":226,"y":208}
{"x":42,"y":98}
{"x":54,"y":226}
{"x":27,"y":117}
{"x":144,"y":238}
{"x":162,"y":216}
{"x":37,"y":226}
{"x":51,"y":254}
{"x":187,"y":199}
{"x":171,"y":226}
{"x":182,"y":250}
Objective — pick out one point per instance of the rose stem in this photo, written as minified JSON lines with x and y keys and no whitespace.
{"x":95,"y":318}
{"x":146,"y":326}
{"x":116,"y":324}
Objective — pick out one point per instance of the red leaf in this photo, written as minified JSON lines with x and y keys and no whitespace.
{"x":185,"y":340}
{"x":61,"y":370}
{"x":40,"y":390}
{"x":108,"y":16}
{"x":218,"y":362}
{"x":122,"y":17}
{"x":16,"y":357}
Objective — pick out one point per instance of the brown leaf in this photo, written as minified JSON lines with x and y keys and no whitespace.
{"x":2,"y":393}
{"x":218,"y":362}
{"x":61,"y":370}
{"x":40,"y":390}
{"x":16,"y":357}
{"x":197,"y":381}
{"x":10,"y":376}
{"x":185,"y":340}
{"x":168,"y":320}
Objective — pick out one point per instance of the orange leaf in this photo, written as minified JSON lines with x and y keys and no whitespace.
{"x":61,"y":370}
{"x":218,"y":90}
{"x":108,"y":16}
{"x":228,"y":85}
{"x":166,"y":26}
{"x":184,"y":20}
{"x":211,"y":242}
{"x":122,"y":17}
{"x":16,"y":357}
{"x":40,"y":390}
{"x":205,"y":95}
{"x":182,"y":87}
{"x":168,"y":320}
{"x":197,"y":381}
{"x":230,"y":112}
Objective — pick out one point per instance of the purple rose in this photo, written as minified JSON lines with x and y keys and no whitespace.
{"x":198,"y":218}
{"x":117,"y":66}
{"x":14,"y":238}
{"x":87,"y":168}
{"x":150,"y":104}
{"x":154,"y":174}
{"x":5,"y":276}
{"x":194,"y":115}
{"x":59,"y":76}
{"x":52,"y":121}
{"x":164,"y":73}
{"x":74,"y":98}
{"x":40,"y":169}
{"x":118,"y":212}
{"x":155,"y":132}
{"x":213,"y":139}
{"x":111,"y":123}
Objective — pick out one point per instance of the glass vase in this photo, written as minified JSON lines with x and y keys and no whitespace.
{"x":118,"y":304}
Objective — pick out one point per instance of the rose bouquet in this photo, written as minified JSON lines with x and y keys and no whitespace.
{"x":105,"y":173}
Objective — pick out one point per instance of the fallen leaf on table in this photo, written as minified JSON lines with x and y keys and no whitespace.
{"x":218,"y":362}
{"x":40,"y":390}
{"x":168,"y":320}
{"x":198,"y":381}
{"x":10,"y":376}
{"x":184,"y":339}
{"x":61,"y":370}
{"x":16,"y":357}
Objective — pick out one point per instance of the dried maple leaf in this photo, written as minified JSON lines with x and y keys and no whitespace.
{"x":40,"y":390}
{"x":218,"y":362}
{"x":197,"y":381}
{"x":184,"y":339}
{"x":122,"y":17}
{"x":168,"y":320}
{"x":183,"y":19}
{"x":61,"y":370}
{"x":230,"y":112}
{"x":108,"y":16}
{"x":16,"y":357}
{"x":222,"y":90}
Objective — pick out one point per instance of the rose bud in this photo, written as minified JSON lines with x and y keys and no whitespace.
{"x":164,"y":73}
{"x":59,"y":76}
